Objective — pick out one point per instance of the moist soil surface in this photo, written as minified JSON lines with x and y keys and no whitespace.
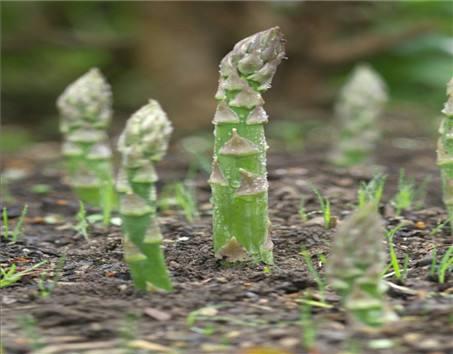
{"x":92,"y":307}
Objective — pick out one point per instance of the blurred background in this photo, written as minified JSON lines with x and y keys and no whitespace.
{"x":171,"y":50}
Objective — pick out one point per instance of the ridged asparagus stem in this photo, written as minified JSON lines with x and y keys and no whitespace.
{"x":355,"y":267}
{"x":239,"y":176}
{"x":86,"y":110}
{"x":445,"y":153}
{"x":143,"y":142}
{"x":361,"y":102}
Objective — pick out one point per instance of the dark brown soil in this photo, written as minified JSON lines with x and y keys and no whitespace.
{"x":94,"y":308}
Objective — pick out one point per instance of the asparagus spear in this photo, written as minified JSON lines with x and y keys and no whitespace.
{"x":143,"y":142}
{"x":445,"y":153}
{"x":356,"y":264}
{"x":86,"y":109}
{"x":359,"y":106}
{"x":239,"y":175}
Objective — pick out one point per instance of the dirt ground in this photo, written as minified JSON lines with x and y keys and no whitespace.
{"x":215,"y":307}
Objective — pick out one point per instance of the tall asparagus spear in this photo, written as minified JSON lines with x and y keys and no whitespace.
{"x":359,"y":105}
{"x":238,"y":179}
{"x":86,"y":109}
{"x":355,"y":267}
{"x":143,"y":142}
{"x":445,"y":153}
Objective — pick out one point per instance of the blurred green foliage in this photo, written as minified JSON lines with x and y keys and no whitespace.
{"x":46,"y":45}
{"x":417,"y":70}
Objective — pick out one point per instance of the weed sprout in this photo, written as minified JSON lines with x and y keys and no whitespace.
{"x":17,"y":232}
{"x":324,"y":203}
{"x":371,"y":192}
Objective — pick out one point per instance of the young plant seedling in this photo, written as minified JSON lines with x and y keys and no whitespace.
{"x":86,"y":109}
{"x":16,"y":233}
{"x":180,"y":196}
{"x":445,"y":153}
{"x":324,"y":203}
{"x":445,"y":264}
{"x":143,"y":142}
{"x":400,"y":271}
{"x":355,"y":267}
{"x":360,"y":103}
{"x":371,"y":192}
{"x":9,"y":275}
{"x":405,"y":197}
{"x":302,"y":210}
{"x":308,"y":326}
{"x":320,"y":281}
{"x":238,"y":179}
{"x":82,"y":224}
{"x":47,"y":285}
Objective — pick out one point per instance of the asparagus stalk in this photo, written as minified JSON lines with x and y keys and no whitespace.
{"x":143,"y":142}
{"x":445,"y":153}
{"x":86,"y":109}
{"x":239,"y":176}
{"x":355,"y":267}
{"x":361,"y":102}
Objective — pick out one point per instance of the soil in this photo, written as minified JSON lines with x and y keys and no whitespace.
{"x":217,"y":307}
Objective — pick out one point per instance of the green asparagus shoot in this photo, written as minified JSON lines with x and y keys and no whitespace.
{"x":445,"y":153}
{"x":181,"y":196}
{"x":359,"y":106}
{"x":405,"y":196}
{"x":238,"y":178}
{"x":371,"y":192}
{"x":143,"y":142}
{"x":86,"y":109}
{"x":324,"y":203}
{"x":82,"y":224}
{"x":10,"y":276}
{"x":355,"y":267}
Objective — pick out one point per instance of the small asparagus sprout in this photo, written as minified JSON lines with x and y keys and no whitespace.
{"x":86,"y":109}
{"x":361,"y":102}
{"x":143,"y":142}
{"x":355,"y":267}
{"x":445,"y":153}
{"x":238,"y":179}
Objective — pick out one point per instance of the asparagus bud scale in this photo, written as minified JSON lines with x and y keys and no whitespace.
{"x":361,"y":102}
{"x":143,"y":142}
{"x":445,"y":153}
{"x":356,"y":264}
{"x":239,"y":176}
{"x":86,"y":110}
